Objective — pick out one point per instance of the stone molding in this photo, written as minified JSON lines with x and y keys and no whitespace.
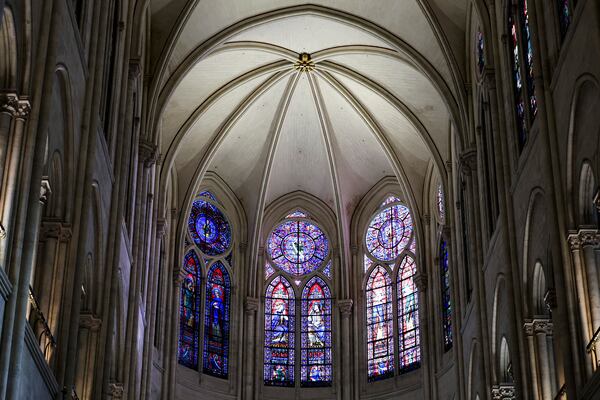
{"x":468,"y":161}
{"x":345,"y":307}
{"x":161,"y":227}
{"x":251,"y":304}
{"x":9,"y":103}
{"x":583,"y":238}
{"x":90,"y":321}
{"x":503,"y":392}
{"x":420,"y":281}
{"x":538,"y":326}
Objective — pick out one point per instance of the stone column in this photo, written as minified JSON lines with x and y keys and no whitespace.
{"x":345,"y":307}
{"x":542,"y":329}
{"x":528,"y":327}
{"x":250,"y":309}
{"x":89,"y":326}
{"x":8,"y":107}
{"x":590,"y":240}
{"x":582,"y":298}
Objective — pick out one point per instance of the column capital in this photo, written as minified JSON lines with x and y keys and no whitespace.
{"x":504,"y":391}
{"x":161,"y":227}
{"x":589,"y":237}
{"x":574,"y":241}
{"x":345,"y":306}
{"x":55,"y":230}
{"x":468,"y":161}
{"x":147,"y":153}
{"x":538,"y":326}
{"x":251,"y":304}
{"x":23,"y":109}
{"x":420,"y":281}
{"x":90,"y":321}
{"x":9,"y":103}
{"x":115,"y":390}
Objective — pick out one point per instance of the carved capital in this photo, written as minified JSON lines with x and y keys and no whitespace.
{"x":251,"y":304}
{"x":134,"y":69}
{"x":421,"y":282}
{"x":589,"y":237}
{"x":503,"y":392}
{"x":468,"y":161}
{"x":115,"y":390}
{"x":9,"y":103}
{"x":90,"y":321}
{"x":45,"y":190}
{"x":574,"y":242}
{"x":538,"y":326}
{"x":345,"y":307}
{"x":55,"y":230}
{"x":23,"y":109}
{"x":147,"y":153}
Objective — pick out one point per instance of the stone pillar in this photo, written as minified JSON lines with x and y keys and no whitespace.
{"x":250,"y":309}
{"x":543,"y":329}
{"x":504,"y":392}
{"x":528,"y":327}
{"x":582,"y":298}
{"x":345,"y":307}
{"x":8,"y":107}
{"x":89,"y":326}
{"x":590,"y":240}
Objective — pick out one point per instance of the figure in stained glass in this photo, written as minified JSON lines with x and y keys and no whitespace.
{"x":189,"y":311}
{"x":209,"y":228}
{"x":446,"y":303}
{"x":408,"y":317}
{"x":380,"y":342}
{"x":389,"y":232}
{"x":216,"y":330}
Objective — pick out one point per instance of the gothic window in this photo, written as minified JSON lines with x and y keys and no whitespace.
{"x":298,"y":251}
{"x":190,"y":310}
{"x":439,"y":200}
{"x":208,"y":239}
{"x":279,"y":333}
{"x":216,"y":321}
{"x":316,"y":333}
{"x":380,"y":337}
{"x":445,"y":296}
{"x":480,"y":52}
{"x":564,"y":16}
{"x":408,"y":316}
{"x":390,"y":247}
{"x":521,"y":48}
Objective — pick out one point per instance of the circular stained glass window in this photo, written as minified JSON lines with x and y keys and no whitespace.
{"x":298,"y":247}
{"x":209,"y":228}
{"x":389,"y":232}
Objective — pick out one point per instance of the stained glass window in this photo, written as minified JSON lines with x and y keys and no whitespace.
{"x":389,"y":232}
{"x":446,"y":302}
{"x":297,"y":214}
{"x":528,"y":48}
{"x":208,"y":194}
{"x":328,"y":271}
{"x":298,"y":247}
{"x":480,"y":52}
{"x":439,"y":197}
{"x":564,"y":16}
{"x":517,"y":84}
{"x":380,"y":338}
{"x":268,"y":271}
{"x":189,"y":311}
{"x":279,"y":333}
{"x":409,"y":347}
{"x":316,"y":334}
{"x":216,"y":321}
{"x":368,"y":263}
{"x":209,"y":228}
{"x":390,"y":200}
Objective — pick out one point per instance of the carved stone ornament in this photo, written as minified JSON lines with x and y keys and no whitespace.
{"x":115,"y":390}
{"x":161,"y":227}
{"x":304,"y":63}
{"x":23,"y":109}
{"x":45,"y":190}
{"x":421,"y":282}
{"x":589,"y":237}
{"x":147,"y":153}
{"x":345,"y":307}
{"x":9,"y":103}
{"x":90,"y":321}
{"x":468,"y":161}
{"x":538,"y":326}
{"x":55,"y":230}
{"x":503,"y":392}
{"x":251,"y":304}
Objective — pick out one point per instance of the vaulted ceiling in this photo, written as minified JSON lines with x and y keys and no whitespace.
{"x":375,"y":98}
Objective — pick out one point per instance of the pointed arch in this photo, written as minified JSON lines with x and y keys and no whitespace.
{"x":216,"y":321}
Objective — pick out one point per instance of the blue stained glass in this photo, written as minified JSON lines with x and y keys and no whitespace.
{"x":409,"y":341}
{"x":297,"y":214}
{"x":327,"y":270}
{"x":279,"y":353}
{"x":209,"y":228}
{"x":517,"y":84}
{"x":268,"y":271}
{"x":380,"y":338}
{"x":216,"y":321}
{"x":316,"y":369}
{"x":368,"y":263}
{"x":297,"y":247}
{"x":208,"y":194}
{"x":390,"y":200}
{"x":389,"y":232}
{"x":480,"y":52}
{"x":446,"y":302}
{"x":189,"y":312}
{"x":528,"y":46}
{"x":564,"y":16}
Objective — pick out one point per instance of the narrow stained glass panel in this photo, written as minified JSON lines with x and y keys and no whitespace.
{"x":328,"y":270}
{"x":368,"y":263}
{"x":297,"y":214}
{"x":189,"y":311}
{"x":564,"y":16}
{"x":441,"y":207}
{"x":297,"y":247}
{"x":380,"y":338}
{"x":209,"y":228}
{"x":517,"y":84}
{"x":528,"y":48}
{"x":480,"y":52}
{"x":390,"y":200}
{"x":316,"y":367}
{"x":389,"y":232}
{"x":446,"y":302}
{"x":279,"y":334}
{"x":268,"y":270}
{"x":216,"y":321}
{"x":409,"y":343}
